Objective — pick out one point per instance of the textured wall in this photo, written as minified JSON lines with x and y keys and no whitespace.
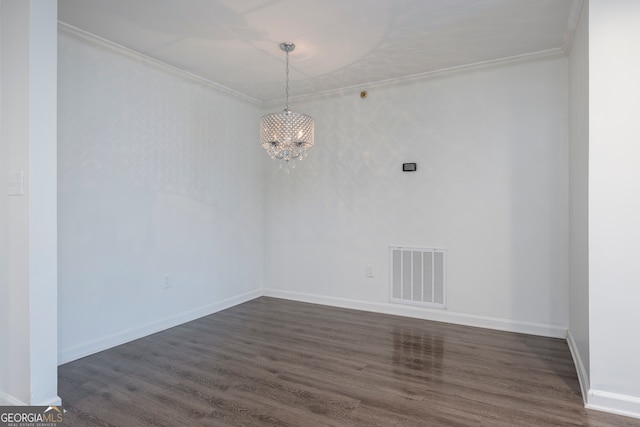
{"x":158,"y":175}
{"x":161,"y":176}
{"x":491,"y":186}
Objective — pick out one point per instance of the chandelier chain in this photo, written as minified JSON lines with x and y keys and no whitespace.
{"x":287,"y":85}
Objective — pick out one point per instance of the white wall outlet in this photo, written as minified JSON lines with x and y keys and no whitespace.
{"x":167,"y":282}
{"x":15,"y":183}
{"x":368,"y":271}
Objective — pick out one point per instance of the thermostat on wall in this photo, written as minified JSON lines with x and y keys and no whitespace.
{"x":409,"y":167}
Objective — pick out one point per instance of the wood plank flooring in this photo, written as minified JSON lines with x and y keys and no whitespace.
{"x":283,"y":363}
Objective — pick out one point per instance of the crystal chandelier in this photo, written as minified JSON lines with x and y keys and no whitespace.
{"x":286,"y":135}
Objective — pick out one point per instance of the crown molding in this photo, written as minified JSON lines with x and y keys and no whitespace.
{"x":444,"y":72}
{"x":72,"y":32}
{"x":572,"y":24}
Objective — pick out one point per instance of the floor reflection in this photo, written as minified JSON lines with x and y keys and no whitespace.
{"x":417,"y":350}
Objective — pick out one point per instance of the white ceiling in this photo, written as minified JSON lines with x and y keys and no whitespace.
{"x":339,"y":43}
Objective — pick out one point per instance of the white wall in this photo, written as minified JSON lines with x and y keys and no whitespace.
{"x":614,"y":205}
{"x":578,"y":335}
{"x":491,"y":186}
{"x":159,"y":175}
{"x":28,"y":244}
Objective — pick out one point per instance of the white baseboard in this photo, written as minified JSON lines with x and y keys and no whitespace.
{"x":66,"y":355}
{"x":614,"y":403}
{"x":54,"y":401}
{"x":583,"y":378}
{"x":7,"y":400}
{"x":425,"y":313}
{"x":598,"y":400}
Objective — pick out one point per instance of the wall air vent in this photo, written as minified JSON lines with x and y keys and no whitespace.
{"x":418,"y":276}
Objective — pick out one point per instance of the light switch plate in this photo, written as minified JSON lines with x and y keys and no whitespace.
{"x":368,"y":271}
{"x":16,"y":184}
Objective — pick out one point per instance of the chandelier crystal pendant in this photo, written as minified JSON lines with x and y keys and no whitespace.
{"x":287,"y":135}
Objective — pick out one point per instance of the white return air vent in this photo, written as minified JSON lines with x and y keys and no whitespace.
{"x":418,"y":276}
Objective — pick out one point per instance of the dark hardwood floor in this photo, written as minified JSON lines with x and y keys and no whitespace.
{"x":277,"y":362}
